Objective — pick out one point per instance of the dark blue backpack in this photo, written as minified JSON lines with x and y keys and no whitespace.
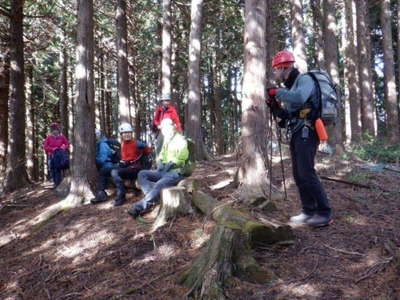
{"x":60,"y":159}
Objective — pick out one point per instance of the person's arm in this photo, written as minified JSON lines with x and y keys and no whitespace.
{"x":156,"y":119}
{"x":175,"y":119}
{"x":301,"y":94}
{"x":179,"y":155}
{"x":46,"y":146}
{"x":65,"y":144}
{"x":104,"y":154}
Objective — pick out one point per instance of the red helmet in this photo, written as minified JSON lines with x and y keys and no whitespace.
{"x":282,"y":59}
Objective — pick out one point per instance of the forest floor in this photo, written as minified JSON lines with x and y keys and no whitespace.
{"x":100,"y":252}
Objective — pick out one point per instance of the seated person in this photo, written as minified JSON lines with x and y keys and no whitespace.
{"x":52,"y":144}
{"x":170,"y":168}
{"x":133,"y":159}
{"x":107,"y":158}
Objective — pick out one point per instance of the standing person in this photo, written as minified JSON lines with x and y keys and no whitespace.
{"x":298,"y":112}
{"x":54,"y":142}
{"x":171,"y":163}
{"x":107,"y":158}
{"x":134,"y":158}
{"x":164,"y":110}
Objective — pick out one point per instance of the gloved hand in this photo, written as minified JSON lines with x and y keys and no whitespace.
{"x":271,"y":92}
{"x":123,"y":164}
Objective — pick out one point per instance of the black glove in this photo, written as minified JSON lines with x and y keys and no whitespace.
{"x":123,"y":164}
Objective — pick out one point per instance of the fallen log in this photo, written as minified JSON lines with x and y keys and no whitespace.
{"x":257,"y":233}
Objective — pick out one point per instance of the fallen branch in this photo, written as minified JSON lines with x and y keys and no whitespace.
{"x":377,"y":267}
{"x":343,"y":251}
{"x":349,"y":182}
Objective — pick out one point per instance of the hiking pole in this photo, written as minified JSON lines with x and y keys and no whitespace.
{"x":279,"y":136}
{"x":270,"y":157}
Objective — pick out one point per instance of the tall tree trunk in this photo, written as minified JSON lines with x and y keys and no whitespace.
{"x":122,"y":50}
{"x":317,"y":33}
{"x":83,"y":164}
{"x":350,"y":61}
{"x":364,"y":65}
{"x":166,"y":49}
{"x":102,"y":93}
{"x":252,"y":171}
{"x":193,"y":119}
{"x":64,"y":119}
{"x":298,"y":41}
{"x":331,"y":62}
{"x":16,"y":175}
{"x":30,"y":130}
{"x":4,"y":92}
{"x":392,"y":119}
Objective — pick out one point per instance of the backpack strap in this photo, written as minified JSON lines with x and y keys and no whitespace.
{"x":319,"y":94}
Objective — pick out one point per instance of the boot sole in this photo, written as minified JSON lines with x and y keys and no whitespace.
{"x":321,"y":225}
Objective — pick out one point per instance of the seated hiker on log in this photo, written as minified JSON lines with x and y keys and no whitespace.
{"x":134,"y":158}
{"x":171,"y":168}
{"x":107,"y":158}
{"x":56,"y":146}
{"x":298,"y":118}
{"x":164,"y":110}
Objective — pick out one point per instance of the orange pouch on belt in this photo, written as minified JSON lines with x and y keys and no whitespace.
{"x":320,"y":128}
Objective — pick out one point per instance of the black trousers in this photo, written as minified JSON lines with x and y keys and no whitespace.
{"x":102,"y":178}
{"x":119,"y":174}
{"x":312,"y":194}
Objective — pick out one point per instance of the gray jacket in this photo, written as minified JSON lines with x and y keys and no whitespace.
{"x":294,"y":98}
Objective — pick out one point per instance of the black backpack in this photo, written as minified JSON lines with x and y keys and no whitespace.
{"x":115,"y":147}
{"x":60,"y":159}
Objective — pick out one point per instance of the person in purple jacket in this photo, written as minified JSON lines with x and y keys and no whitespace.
{"x":54,"y":142}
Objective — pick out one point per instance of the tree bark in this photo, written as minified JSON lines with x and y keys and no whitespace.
{"x":331,"y":62}
{"x":317,"y":33}
{"x":364,"y":65}
{"x":64,"y":118}
{"x":391,"y":107}
{"x":83,"y":170}
{"x":30,"y":121}
{"x":4,"y":93}
{"x":350,"y":61}
{"x":193,"y":119}
{"x":298,"y":41}
{"x":166,"y":49}
{"x":16,"y":174}
{"x":123,"y":74}
{"x":252,"y":171}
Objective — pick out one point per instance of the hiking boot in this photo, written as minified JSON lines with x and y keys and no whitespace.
{"x":301,"y":218}
{"x":319,"y":221}
{"x":133,"y":212}
{"x":100,"y":197}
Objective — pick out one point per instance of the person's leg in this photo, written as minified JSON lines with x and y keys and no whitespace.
{"x":168,"y":179}
{"x":102,"y":180}
{"x":309,"y":180}
{"x":119,"y":184}
{"x":297,"y":151}
{"x":147,"y":178}
{"x":57,"y":176}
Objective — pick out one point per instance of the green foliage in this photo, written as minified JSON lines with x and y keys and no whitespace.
{"x":377,"y":150}
{"x":358,"y":177}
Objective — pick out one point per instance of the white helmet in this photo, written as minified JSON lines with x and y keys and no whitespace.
{"x":165,"y":97}
{"x":125,"y":127}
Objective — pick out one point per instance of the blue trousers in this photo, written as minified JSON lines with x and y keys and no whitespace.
{"x":152,"y":182}
{"x":312,"y":194}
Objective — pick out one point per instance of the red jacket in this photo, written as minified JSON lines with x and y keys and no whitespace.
{"x":162,"y":113}
{"x":53,"y":142}
{"x":132,"y":150}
